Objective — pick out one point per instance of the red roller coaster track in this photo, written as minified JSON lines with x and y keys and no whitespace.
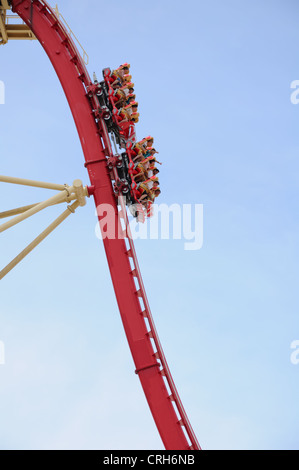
{"x":151,"y":366}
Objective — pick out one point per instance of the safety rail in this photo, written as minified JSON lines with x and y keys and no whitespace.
{"x":85,"y":56}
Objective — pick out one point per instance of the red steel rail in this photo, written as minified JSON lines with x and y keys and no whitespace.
{"x":151,"y":366}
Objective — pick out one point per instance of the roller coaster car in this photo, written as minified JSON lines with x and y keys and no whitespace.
{"x":107,"y":112}
{"x":124,"y":174}
{"x":102,"y":94}
{"x":123,"y":132}
{"x":126,"y":185}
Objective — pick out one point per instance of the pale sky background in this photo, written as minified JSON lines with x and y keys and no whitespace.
{"x":213,"y":82}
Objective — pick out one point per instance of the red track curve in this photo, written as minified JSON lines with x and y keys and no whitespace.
{"x":151,"y":366}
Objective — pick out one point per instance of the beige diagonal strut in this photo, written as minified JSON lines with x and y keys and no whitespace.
{"x":76,"y":193}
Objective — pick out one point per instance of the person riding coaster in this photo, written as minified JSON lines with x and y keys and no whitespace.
{"x":128,"y":88}
{"x":149,"y":141}
{"x":130,"y":97}
{"x":142,"y":148}
{"x":139,"y":173}
{"x":123,"y":69}
{"x":119,"y":76}
{"x":155,"y":193}
{"x":118,"y":97}
{"x":128,"y":113}
{"x":142,"y":154}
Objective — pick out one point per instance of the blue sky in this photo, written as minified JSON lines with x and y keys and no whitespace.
{"x":213,"y":82}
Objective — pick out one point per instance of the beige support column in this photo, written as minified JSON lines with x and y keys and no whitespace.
{"x":33,"y":183}
{"x":3,"y":32}
{"x":39,"y":239}
{"x":20,"y":210}
{"x":5,"y":5}
{"x":80,"y":192}
{"x":13,"y":212}
{"x":60,"y":197}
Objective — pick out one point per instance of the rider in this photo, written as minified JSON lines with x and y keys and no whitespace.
{"x":132,"y":107}
{"x":155,"y":192}
{"x":134,"y":117}
{"x":142,"y":192}
{"x":128,"y":88}
{"x":123,"y":69}
{"x":118,"y":98}
{"x":139,"y":172}
{"x":129,"y":98}
{"x":117,"y":75}
{"x":128,"y":113}
{"x":149,"y":141}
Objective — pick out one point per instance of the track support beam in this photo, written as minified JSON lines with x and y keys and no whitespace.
{"x":60,"y":197}
{"x":67,"y":193}
{"x":71,"y":209}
